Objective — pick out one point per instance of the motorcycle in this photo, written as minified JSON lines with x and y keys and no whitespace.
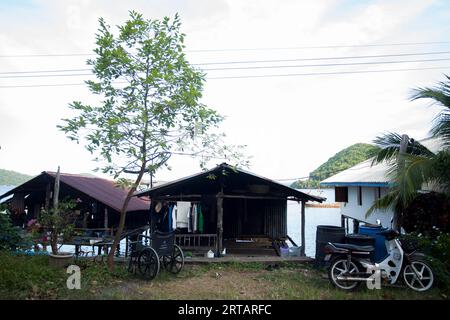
{"x":350,"y":265}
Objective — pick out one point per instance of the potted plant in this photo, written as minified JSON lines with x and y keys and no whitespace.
{"x":58,"y":225}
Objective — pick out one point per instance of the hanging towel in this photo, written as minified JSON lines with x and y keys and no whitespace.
{"x":174,"y":217}
{"x":200,"y":219}
{"x":190,"y":219}
{"x":183,"y":208}
{"x":195,"y":218}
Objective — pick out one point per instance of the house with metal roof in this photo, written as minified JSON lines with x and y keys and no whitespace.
{"x":359,"y":186}
{"x":99,"y":201}
{"x":241,"y":211}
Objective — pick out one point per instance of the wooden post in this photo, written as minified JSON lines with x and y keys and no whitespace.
{"x":56,"y":190}
{"x":47,"y":196}
{"x":219,"y":224}
{"x":400,"y":162}
{"x":105,"y":219}
{"x":302,"y":250}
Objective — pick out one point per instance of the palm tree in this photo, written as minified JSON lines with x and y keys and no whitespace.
{"x":412,"y":166}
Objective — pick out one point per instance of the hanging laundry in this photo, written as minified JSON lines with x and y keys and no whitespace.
{"x":200,"y":219}
{"x":195,"y":218}
{"x":174,"y":216}
{"x":190,"y":219}
{"x":183,"y":209}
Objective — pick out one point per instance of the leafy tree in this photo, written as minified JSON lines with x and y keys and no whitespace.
{"x":416,"y":167}
{"x":150,"y":105}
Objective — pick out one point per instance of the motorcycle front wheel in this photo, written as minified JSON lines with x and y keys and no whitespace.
{"x":418,"y":275}
{"x":342,"y":267}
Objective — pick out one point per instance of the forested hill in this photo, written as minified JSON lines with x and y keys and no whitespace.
{"x":342,"y":160}
{"x":12,"y":178}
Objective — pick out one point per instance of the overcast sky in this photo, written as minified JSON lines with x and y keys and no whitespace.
{"x":291,"y":124}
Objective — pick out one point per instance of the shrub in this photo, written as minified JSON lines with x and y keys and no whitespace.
{"x":436,"y":245}
{"x":11,"y":237}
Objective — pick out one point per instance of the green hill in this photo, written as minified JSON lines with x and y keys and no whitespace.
{"x":342,"y":160}
{"x":12,"y":178}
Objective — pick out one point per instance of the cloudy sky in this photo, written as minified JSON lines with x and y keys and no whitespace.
{"x":291,"y":115}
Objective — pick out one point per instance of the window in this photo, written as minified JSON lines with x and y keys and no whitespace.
{"x":360,"y":196}
{"x":341,"y":194}
{"x":377,"y":192}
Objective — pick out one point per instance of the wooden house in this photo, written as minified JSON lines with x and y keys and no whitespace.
{"x":99,"y":201}
{"x":239,"y":208}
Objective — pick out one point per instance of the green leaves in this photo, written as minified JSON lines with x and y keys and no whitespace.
{"x":149,"y":100}
{"x":418,"y":168}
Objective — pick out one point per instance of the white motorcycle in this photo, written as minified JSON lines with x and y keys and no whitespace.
{"x":351,"y":265}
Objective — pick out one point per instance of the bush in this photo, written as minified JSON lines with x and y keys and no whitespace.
{"x":11,"y":237}
{"x":436,"y":245}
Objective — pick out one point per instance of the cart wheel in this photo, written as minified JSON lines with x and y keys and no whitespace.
{"x":132,"y":264}
{"x":148,"y":263}
{"x":166,"y":261}
{"x":177,"y":260}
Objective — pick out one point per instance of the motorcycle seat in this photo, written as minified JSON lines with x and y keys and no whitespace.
{"x":354,"y":247}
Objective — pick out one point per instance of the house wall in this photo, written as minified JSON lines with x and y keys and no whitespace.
{"x":354,"y":210}
{"x":254,"y":217}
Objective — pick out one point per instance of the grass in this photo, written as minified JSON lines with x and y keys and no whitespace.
{"x":30,"y":277}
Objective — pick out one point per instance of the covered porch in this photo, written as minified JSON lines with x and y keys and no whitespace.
{"x":242,"y":212}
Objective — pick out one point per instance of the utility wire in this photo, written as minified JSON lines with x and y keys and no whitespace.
{"x":327,"y":64}
{"x":326,"y":58}
{"x":248,"y":76}
{"x":255,"y":61}
{"x":258,"y":61}
{"x":324,"y":73}
{"x":8,"y":76}
{"x":325,"y":47}
{"x":247,"y":49}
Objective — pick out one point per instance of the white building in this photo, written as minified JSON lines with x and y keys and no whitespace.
{"x":359,"y":186}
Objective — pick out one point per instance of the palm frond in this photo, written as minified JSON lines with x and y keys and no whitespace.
{"x":441,"y":96}
{"x":384,"y":203}
{"x":389,"y":144}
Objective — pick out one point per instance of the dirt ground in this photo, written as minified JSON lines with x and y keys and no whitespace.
{"x":248,"y":282}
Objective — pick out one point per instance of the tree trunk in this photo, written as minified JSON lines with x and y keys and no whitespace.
{"x":123,"y":213}
{"x":400,"y":162}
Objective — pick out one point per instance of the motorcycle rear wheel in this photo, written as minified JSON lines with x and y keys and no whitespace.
{"x":339,"y":267}
{"x":418,"y":275}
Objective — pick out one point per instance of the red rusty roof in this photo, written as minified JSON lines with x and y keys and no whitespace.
{"x":103,"y":190}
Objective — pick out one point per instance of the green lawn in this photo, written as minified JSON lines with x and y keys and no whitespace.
{"x":30,"y":277}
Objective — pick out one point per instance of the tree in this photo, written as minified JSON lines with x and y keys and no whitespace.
{"x":416,"y":167}
{"x":150,"y":105}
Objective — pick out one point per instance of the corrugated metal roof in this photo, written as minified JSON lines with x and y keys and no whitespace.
{"x":361,"y":174}
{"x":364,"y":174}
{"x":186,"y":183}
{"x":102,"y":190}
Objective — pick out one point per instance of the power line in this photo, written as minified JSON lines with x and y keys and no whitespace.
{"x":325,"y":47}
{"x":327,"y":64}
{"x":250,"y":76}
{"x":45,"y":71}
{"x":324,"y":73}
{"x":246,"y":49}
{"x":325,"y":58}
{"x":251,"y":62}
{"x":8,"y":76}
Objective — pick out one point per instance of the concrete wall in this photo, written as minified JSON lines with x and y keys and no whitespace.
{"x":354,"y":210}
